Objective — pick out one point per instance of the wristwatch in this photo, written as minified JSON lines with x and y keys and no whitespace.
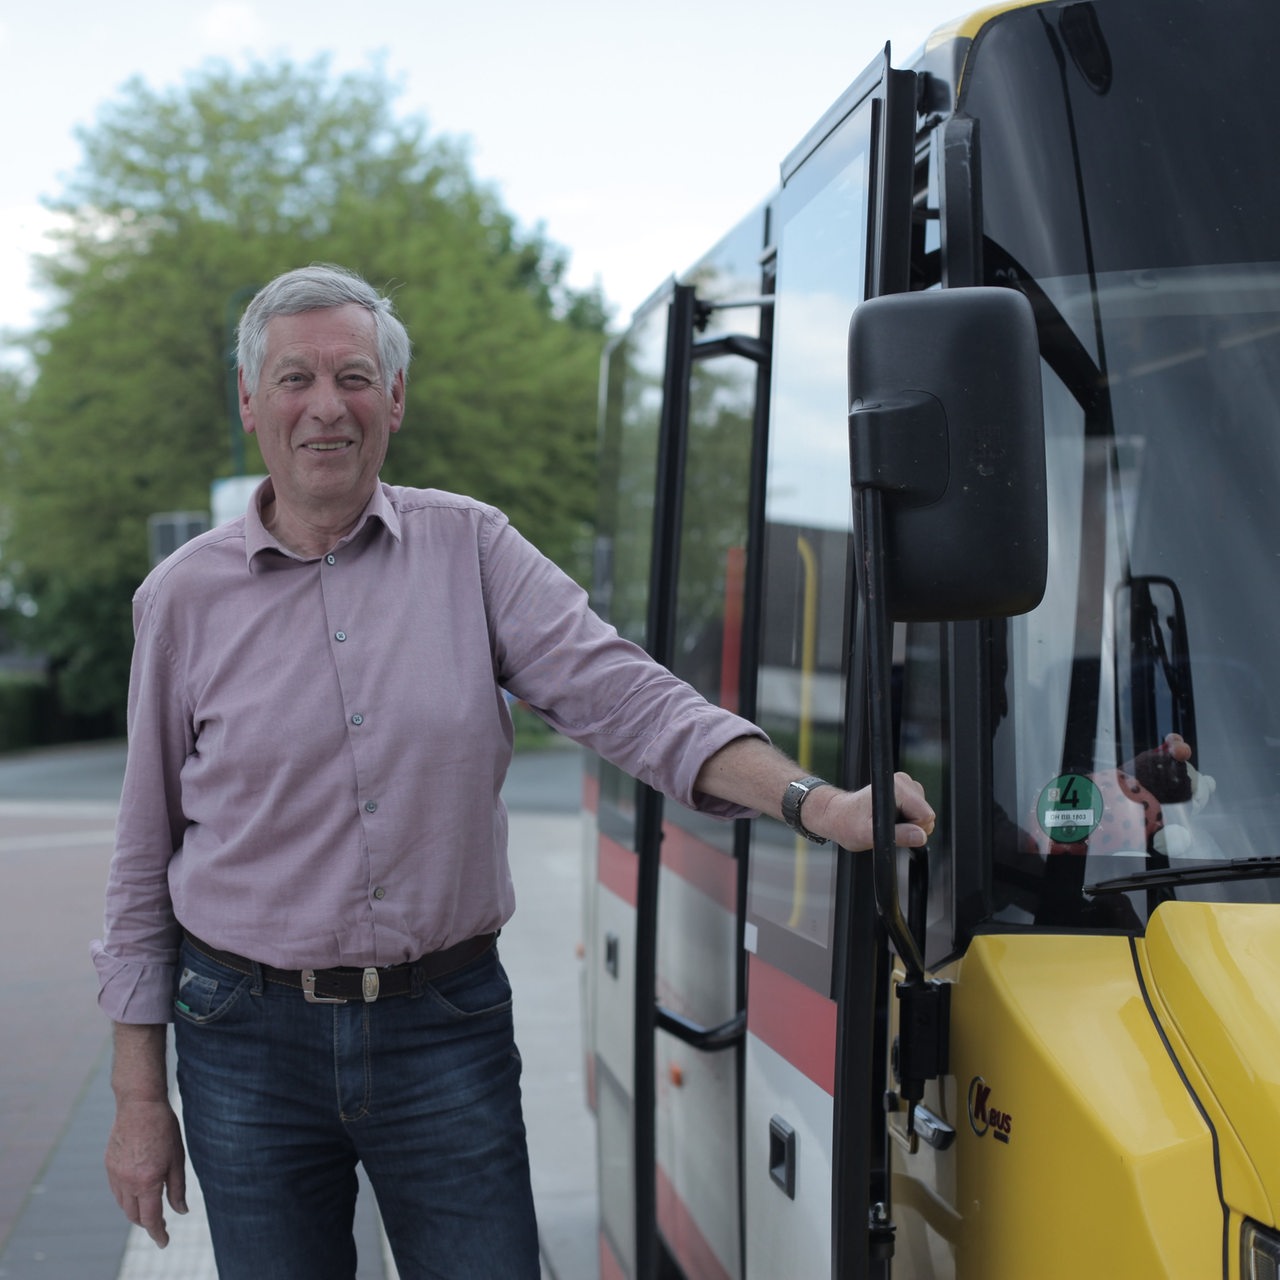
{"x":792,"y":800}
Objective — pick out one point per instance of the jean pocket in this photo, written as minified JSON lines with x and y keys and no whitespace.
{"x":206,"y":991}
{"x":475,"y":990}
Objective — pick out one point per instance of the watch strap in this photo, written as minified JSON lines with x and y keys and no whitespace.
{"x":793,"y":799}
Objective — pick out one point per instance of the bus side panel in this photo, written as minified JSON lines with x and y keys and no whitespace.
{"x":785,"y":1236}
{"x":612,"y":955}
{"x":614,"y":1128}
{"x":589,"y":975}
{"x":790,"y":1104}
{"x":615,"y":960}
{"x":697,"y":1091}
{"x":1068,"y":1111}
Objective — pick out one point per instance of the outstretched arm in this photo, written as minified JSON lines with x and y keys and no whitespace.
{"x":750,"y":772}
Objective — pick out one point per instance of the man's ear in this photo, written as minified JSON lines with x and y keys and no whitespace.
{"x":397,"y":402}
{"x":246,"y":411}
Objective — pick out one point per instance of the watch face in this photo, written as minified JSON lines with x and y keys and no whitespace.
{"x":791,"y":801}
{"x":792,"y":798}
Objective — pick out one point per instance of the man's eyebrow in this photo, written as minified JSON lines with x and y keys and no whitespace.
{"x":291,"y":360}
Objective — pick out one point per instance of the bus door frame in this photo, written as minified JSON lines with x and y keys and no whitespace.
{"x":862,"y":1240}
{"x":686,"y":316}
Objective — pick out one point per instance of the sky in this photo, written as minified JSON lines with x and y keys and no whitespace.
{"x":633,"y":134}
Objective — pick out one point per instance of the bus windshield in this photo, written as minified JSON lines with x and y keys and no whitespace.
{"x":1157,"y":289}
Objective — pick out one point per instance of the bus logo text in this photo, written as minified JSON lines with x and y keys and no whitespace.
{"x":983,"y":1117}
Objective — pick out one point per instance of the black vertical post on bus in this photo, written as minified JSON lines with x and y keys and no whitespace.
{"x":861,"y":1233}
{"x":660,"y":631}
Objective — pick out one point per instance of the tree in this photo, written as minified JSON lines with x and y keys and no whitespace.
{"x":185,"y":201}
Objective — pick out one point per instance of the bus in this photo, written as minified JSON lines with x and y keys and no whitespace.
{"x":959,"y":455}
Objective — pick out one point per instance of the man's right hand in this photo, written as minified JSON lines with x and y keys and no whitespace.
{"x":145,"y":1155}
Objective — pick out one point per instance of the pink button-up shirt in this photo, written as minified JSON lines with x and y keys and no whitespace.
{"x":317,"y":746}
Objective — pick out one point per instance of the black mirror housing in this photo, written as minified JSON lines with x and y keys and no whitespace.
{"x":946,"y":423}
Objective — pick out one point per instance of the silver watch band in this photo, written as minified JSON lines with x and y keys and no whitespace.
{"x":793,"y":799}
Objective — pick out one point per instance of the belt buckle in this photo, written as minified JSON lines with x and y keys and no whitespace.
{"x":370,"y":985}
{"x":309,"y":990}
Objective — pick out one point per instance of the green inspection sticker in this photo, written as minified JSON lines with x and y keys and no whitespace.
{"x":1069,"y":809}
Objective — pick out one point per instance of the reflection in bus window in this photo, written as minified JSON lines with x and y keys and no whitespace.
{"x":801,"y":684}
{"x":624,"y":537}
{"x":1156,"y":284}
{"x":714,"y":517}
{"x":1133,"y":519}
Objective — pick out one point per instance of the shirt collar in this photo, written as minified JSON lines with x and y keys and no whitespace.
{"x":258,"y":538}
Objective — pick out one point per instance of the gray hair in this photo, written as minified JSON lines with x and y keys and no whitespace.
{"x":315,"y":288}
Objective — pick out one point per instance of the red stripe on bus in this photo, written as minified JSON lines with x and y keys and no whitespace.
{"x":794,"y":1021}
{"x":617,"y":868}
{"x":702,"y":865}
{"x":691,"y":1247}
{"x":610,"y":1267}
{"x":735,"y":586}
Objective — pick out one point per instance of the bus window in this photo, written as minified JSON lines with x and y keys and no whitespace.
{"x":808,"y":512}
{"x":624,"y":539}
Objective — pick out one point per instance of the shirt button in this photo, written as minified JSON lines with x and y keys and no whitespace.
{"x":339,"y":636}
{"x":331,"y":559}
{"x":371,"y":806}
{"x":379,"y":893}
{"x":357,"y":718}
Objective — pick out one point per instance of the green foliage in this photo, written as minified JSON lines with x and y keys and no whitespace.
{"x":531,"y":732}
{"x":186,"y":201}
{"x":24,"y":703}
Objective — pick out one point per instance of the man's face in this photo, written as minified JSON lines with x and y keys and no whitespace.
{"x":321,"y":414}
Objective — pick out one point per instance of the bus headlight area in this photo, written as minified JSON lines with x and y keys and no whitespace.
{"x":1259,"y":1252}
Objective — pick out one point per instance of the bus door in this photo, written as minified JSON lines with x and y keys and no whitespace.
{"x":682,"y":445}
{"x":632,"y":454}
{"x":812,"y":1152}
{"x":698,"y":887}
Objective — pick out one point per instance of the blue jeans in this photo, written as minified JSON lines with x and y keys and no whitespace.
{"x":281,"y":1098}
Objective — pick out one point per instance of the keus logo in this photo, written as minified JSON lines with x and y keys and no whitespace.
{"x":983,"y":1117}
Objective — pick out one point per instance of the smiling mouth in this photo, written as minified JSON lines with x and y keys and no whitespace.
{"x":328,"y":446}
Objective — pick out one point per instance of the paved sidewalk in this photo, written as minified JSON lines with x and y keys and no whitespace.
{"x":57,"y":1218}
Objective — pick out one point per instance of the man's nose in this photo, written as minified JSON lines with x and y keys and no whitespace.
{"x":327,"y":401}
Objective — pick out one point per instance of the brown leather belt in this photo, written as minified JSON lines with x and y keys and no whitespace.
{"x":337,"y":986}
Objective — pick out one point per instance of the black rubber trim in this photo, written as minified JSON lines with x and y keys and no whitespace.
{"x":1204,"y":1115}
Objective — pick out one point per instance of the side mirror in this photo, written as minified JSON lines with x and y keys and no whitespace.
{"x":1154,"y":695}
{"x":946,"y":423}
{"x":946,"y":448}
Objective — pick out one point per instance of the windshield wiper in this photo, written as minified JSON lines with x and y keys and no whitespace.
{"x":1194,"y":873}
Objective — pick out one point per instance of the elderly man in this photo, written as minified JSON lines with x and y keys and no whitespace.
{"x":310,"y":867}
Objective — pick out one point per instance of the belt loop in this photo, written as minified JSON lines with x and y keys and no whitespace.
{"x":255,"y":988}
